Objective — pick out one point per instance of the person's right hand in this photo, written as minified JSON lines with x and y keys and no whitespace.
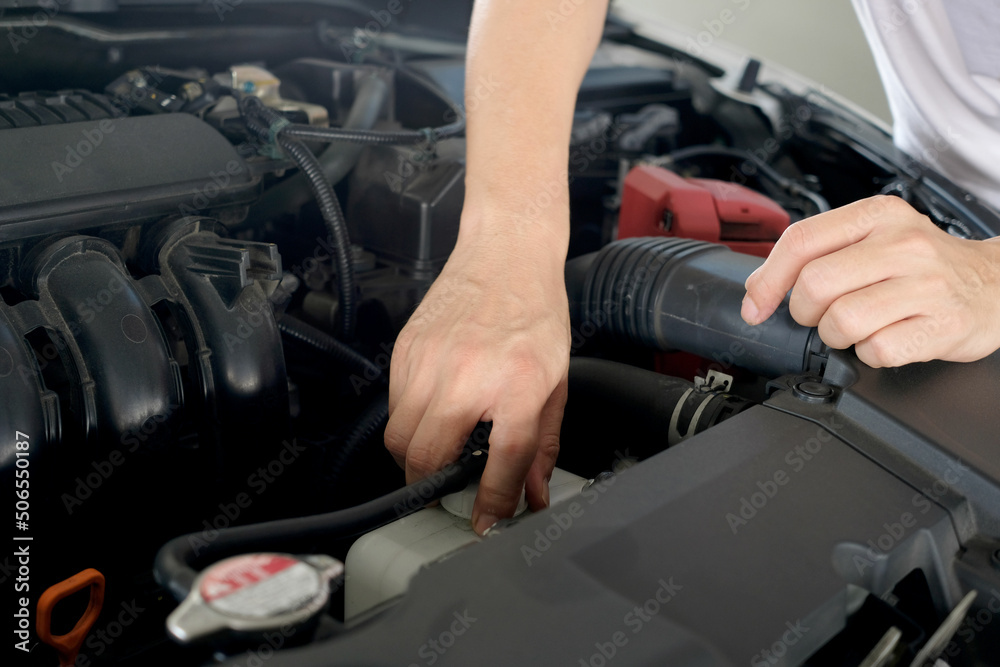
{"x":490,"y":342}
{"x":880,"y":276}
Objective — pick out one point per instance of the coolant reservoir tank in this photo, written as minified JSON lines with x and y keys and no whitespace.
{"x":380,"y":564}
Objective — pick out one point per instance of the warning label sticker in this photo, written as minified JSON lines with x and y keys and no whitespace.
{"x":260,"y":585}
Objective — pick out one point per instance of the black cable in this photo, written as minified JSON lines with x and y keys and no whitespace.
{"x":336,"y":225}
{"x":296,"y":330}
{"x":374,"y":137}
{"x":785,"y":183}
{"x":337,"y":160}
{"x":267,"y":124}
{"x":390,"y":137}
{"x":176,"y":560}
{"x":402,"y":70}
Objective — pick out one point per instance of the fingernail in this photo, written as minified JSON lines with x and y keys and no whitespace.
{"x":483,"y":522}
{"x":545,"y":493}
{"x":750,"y":312}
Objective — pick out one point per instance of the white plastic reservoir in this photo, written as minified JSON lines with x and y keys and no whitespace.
{"x":380,"y":564}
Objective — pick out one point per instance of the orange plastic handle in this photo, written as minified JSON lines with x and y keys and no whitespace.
{"x":68,"y":645}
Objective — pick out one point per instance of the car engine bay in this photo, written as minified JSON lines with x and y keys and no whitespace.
{"x":210,"y":237}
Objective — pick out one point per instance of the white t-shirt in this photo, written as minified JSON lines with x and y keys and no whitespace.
{"x":940,"y":64}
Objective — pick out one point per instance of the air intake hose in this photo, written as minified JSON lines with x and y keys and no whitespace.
{"x":678,"y":294}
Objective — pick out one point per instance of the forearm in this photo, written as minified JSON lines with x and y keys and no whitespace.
{"x":522,"y":76}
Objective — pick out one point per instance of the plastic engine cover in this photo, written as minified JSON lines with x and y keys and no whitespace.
{"x":658,"y":202}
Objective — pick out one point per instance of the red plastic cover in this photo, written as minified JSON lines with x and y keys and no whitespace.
{"x":658,"y":202}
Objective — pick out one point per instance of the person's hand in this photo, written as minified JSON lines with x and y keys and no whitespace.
{"x":880,"y":276}
{"x":489,"y":342}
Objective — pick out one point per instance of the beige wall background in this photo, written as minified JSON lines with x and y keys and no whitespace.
{"x":820,"y":39}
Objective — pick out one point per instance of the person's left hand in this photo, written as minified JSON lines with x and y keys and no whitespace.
{"x":880,"y":276}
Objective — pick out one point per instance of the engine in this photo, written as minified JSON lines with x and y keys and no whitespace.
{"x":197,"y":315}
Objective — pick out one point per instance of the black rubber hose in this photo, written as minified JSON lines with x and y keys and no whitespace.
{"x":374,"y":137}
{"x":336,"y":225}
{"x":646,"y":409}
{"x":319,"y":341}
{"x":177,"y":559}
{"x":370,"y":424}
{"x":337,"y":160}
{"x":677,"y":294}
{"x":263,"y":121}
{"x":785,"y":183}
